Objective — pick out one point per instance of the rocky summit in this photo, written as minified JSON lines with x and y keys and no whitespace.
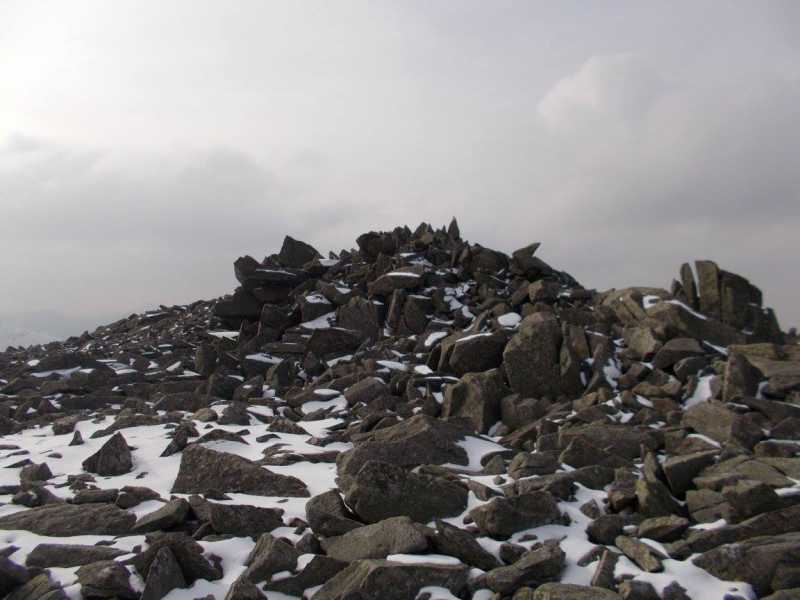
{"x":416,"y":418}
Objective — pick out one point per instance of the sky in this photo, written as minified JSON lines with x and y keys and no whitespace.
{"x":145,"y":145}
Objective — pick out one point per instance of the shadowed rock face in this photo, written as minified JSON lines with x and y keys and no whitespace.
{"x":377,"y":423}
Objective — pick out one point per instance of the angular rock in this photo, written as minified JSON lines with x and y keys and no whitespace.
{"x":569,"y":591}
{"x":396,"y":535}
{"x":328,"y":516}
{"x":531,"y":358}
{"x":451,"y":540}
{"x":186,"y":551}
{"x":172,"y":514}
{"x":61,"y":520}
{"x":113,"y":458}
{"x":412,"y":442}
{"x":69,"y":555}
{"x":476,"y":397}
{"x":768,"y":563}
{"x":240,"y":520}
{"x":535,"y":568}
{"x":203,"y":470}
{"x":164,"y":576}
{"x":380,"y":490}
{"x":646,"y":557}
{"x":295,"y":253}
{"x":502,"y":517}
{"x":477,"y":352}
{"x":676,"y":349}
{"x":105,"y":579}
{"x":391,"y":580}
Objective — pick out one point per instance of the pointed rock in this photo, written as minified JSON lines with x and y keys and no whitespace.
{"x":113,"y":458}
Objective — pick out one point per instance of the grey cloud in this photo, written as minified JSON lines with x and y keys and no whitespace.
{"x":627,"y":140}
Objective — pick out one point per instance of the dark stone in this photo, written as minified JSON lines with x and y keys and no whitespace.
{"x":535,"y":568}
{"x":380,"y":490}
{"x":172,"y":514}
{"x":203,"y":470}
{"x":502,"y":517}
{"x":240,"y":520}
{"x":105,"y":579}
{"x":113,"y":458}
{"x":61,"y":520}
{"x":391,"y":581}
{"x":451,"y":540}
{"x":328,"y":516}
{"x":476,"y":397}
{"x":396,"y":535}
{"x":69,"y":555}
{"x":164,"y":576}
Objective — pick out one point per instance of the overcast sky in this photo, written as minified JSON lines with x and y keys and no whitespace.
{"x":144,"y":145}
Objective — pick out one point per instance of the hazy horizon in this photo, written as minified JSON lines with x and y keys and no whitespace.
{"x":144,"y":146}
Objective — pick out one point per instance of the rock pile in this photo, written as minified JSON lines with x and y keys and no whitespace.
{"x":420,"y":417}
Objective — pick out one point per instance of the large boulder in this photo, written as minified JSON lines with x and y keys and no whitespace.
{"x":501,"y":517}
{"x":395,"y":535}
{"x":328,"y":516}
{"x":164,"y":576}
{"x":203,"y":471}
{"x":768,"y":563}
{"x":236,"y":519}
{"x":62,"y":520}
{"x":295,"y":253}
{"x":570,"y":591}
{"x":113,"y":458}
{"x":412,"y":442}
{"x":534,"y":568}
{"x":381,"y":490}
{"x":392,"y":580}
{"x":105,"y":579}
{"x":720,"y":423}
{"x":44,"y":556}
{"x":362,"y":315}
{"x":476,"y":397}
{"x":531,"y":358}
{"x":449,"y":539}
{"x":477,"y":352}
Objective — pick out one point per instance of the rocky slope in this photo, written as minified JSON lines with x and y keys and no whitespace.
{"x":420,"y":417}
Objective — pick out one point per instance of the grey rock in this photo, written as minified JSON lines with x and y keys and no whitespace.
{"x":237,"y":519}
{"x":113,"y":458}
{"x":396,"y":535}
{"x":70,"y":555}
{"x":451,"y":540}
{"x":569,"y":591}
{"x":105,"y":579}
{"x":531,"y":358}
{"x":61,"y":520}
{"x":164,"y":576}
{"x":535,"y":568}
{"x":646,"y":557}
{"x":203,"y":470}
{"x":391,"y":581}
{"x":768,"y":563}
{"x":328,"y":516}
{"x":186,"y":551}
{"x":381,"y":490}
{"x":476,"y":397}
{"x":416,"y":441}
{"x":502,"y":517}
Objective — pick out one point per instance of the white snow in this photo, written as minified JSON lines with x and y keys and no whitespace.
{"x":702,"y":392}
{"x":323,"y":322}
{"x":430,"y":559}
{"x":511,"y":319}
{"x":434,"y":337}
